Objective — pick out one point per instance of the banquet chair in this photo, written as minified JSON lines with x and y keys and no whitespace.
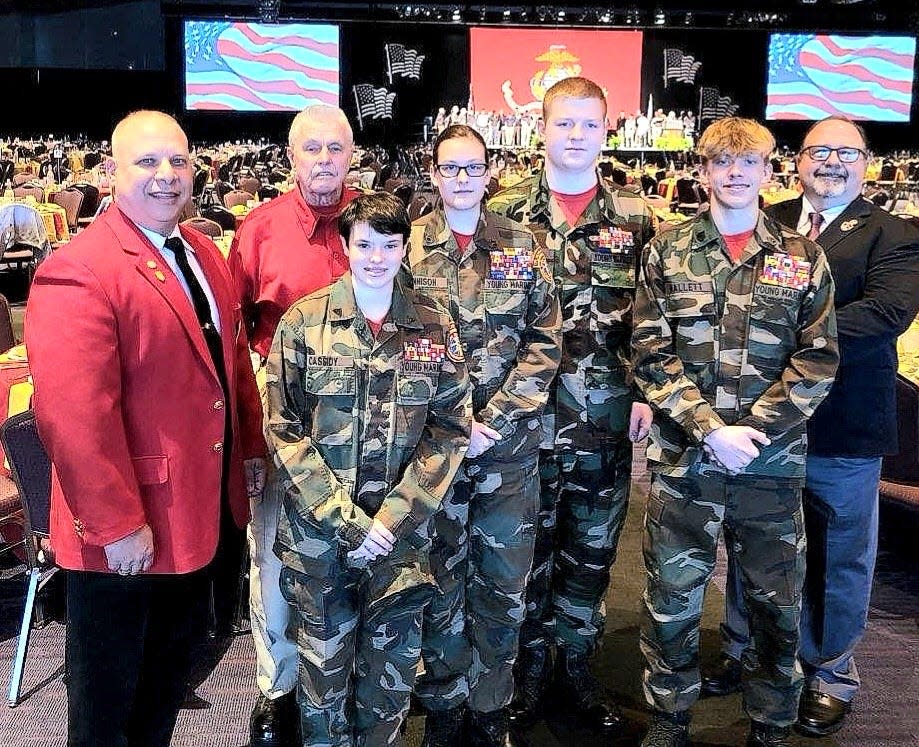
{"x":249,"y":184}
{"x":6,"y":172}
{"x":71,"y":199}
{"x":888,"y":175}
{"x":404,"y":192}
{"x":24,"y":241}
{"x":31,"y":470}
{"x":393,"y":182}
{"x":19,"y":179}
{"x":687,"y":195}
{"x":237,"y":197}
{"x":278,"y":176}
{"x":205,"y":225}
{"x":199,"y":182}
{"x":421,"y":205}
{"x":91,"y":159}
{"x":91,"y":198}
{"x":221,"y":187}
{"x":221,"y":216}
{"x":29,"y":190}
{"x":268,"y":192}
{"x":7,"y":337}
{"x":11,"y":516}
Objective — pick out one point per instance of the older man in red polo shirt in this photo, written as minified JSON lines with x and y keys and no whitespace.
{"x":283,"y":251}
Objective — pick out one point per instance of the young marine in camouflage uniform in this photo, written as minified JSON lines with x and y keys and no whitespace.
{"x":735,"y":346}
{"x":593,"y":234}
{"x":492,"y":275}
{"x":368,"y":421}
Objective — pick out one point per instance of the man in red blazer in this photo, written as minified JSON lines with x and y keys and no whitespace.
{"x":147,"y":404}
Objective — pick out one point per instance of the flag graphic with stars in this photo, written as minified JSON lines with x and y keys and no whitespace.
{"x":812,"y":76}
{"x":260,"y":67}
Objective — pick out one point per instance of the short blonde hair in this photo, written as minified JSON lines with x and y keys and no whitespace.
{"x":573,"y":88}
{"x":735,"y":135}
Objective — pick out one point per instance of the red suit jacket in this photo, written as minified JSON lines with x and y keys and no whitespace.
{"x":128,"y":402}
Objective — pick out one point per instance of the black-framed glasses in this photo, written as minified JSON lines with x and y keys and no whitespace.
{"x":845,"y":154}
{"x":450,"y":170}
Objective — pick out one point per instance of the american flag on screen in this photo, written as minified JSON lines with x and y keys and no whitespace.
{"x":372,"y":102}
{"x":814,"y":76}
{"x":712,"y":105}
{"x":254,"y":67}
{"x":680,"y":67}
{"x":402,"y":61}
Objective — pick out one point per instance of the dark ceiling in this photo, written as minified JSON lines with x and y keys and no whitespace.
{"x":859,"y":15}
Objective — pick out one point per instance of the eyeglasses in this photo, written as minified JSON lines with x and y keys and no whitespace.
{"x":822,"y":153}
{"x":450,"y":170}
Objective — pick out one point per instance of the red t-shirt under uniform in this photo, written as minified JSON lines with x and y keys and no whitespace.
{"x":736,"y":243}
{"x":573,"y":206}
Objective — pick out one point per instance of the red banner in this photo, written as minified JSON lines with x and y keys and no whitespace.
{"x":513,"y":68}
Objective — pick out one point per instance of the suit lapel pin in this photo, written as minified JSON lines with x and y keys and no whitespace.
{"x":159,"y":276}
{"x":151,"y":264}
{"x":848,"y":225}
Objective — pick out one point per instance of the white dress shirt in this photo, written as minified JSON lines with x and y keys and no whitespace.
{"x":159,"y":243}
{"x":829,"y":215}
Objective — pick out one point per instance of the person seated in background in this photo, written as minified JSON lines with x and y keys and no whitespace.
{"x":368,"y":420}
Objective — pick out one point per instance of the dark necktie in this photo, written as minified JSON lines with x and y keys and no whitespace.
{"x":202,"y":308}
{"x":816,"y":224}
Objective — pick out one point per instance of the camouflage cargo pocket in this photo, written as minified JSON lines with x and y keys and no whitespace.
{"x":692,"y":320}
{"x":333,"y":417}
{"x":773,"y":327}
{"x":414,"y":393}
{"x":609,"y":399}
{"x":506,"y":307}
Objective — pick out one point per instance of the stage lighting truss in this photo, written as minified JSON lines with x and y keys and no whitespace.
{"x":268,"y":10}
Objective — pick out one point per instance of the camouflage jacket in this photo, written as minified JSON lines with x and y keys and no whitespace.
{"x":504,"y":304}
{"x":718,"y":343}
{"x":594,"y":265}
{"x":362,"y":428}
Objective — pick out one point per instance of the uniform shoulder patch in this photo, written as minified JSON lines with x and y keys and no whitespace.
{"x":541,"y":264}
{"x":454,"y":346}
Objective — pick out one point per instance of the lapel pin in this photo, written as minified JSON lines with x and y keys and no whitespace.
{"x":848,"y":225}
{"x":151,"y":264}
{"x":159,"y":276}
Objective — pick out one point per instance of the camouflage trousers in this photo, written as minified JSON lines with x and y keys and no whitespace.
{"x":583,"y":502}
{"x":482,"y":550}
{"x":763,"y":525}
{"x":358,"y":653}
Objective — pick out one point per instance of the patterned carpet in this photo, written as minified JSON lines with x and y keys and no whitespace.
{"x":886,"y":713}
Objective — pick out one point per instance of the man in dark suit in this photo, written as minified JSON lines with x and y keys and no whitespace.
{"x":146,"y":402}
{"x":874,"y":258}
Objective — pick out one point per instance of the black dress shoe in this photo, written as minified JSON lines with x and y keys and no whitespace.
{"x":583,"y":697}
{"x":724,"y":680}
{"x":820,"y":714}
{"x":274,"y":723}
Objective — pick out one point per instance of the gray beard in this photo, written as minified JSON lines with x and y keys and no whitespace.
{"x":829,"y":188}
